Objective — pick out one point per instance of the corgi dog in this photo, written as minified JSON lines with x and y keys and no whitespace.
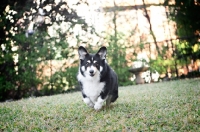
{"x":98,"y":82}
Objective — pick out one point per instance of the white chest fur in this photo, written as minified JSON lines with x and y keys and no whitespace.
{"x":92,"y":86}
{"x":93,"y":89}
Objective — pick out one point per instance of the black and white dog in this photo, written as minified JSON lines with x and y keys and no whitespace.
{"x":98,"y":82}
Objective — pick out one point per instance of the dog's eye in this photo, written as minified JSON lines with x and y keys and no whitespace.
{"x":95,"y":64}
{"x":87,"y":63}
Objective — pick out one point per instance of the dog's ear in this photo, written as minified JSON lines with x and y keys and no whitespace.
{"x":82,"y":52}
{"x":102,"y":52}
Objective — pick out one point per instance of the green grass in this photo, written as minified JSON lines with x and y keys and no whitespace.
{"x":167,"y":106}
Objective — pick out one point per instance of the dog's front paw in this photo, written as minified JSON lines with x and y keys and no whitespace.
{"x":98,"y":105}
{"x":88,"y":102}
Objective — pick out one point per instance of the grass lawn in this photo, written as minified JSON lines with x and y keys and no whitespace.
{"x":167,"y":106}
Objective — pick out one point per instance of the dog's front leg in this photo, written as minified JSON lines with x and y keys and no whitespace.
{"x":98,"y":105}
{"x":88,"y":102}
{"x":101,"y":99}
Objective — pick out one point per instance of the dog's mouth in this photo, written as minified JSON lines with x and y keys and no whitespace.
{"x":91,"y":74}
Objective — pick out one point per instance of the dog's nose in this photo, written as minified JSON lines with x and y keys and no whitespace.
{"x":91,"y":71}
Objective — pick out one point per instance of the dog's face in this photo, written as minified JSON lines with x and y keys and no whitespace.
{"x":91,"y":65}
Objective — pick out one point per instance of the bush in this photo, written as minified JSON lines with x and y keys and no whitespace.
{"x":61,"y":82}
{"x":117,"y":60}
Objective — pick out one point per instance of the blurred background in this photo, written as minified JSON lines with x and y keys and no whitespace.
{"x":39,"y":41}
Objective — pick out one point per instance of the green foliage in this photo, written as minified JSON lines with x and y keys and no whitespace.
{"x":18,"y":76}
{"x":188,"y":27}
{"x":186,"y":50}
{"x":5,"y":86}
{"x":184,"y":13}
{"x":161,"y":65}
{"x":40,"y":49}
{"x":60,"y":82}
{"x":7,"y":71}
{"x":117,"y":60}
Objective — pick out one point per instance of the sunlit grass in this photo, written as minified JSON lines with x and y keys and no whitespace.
{"x":167,"y":106}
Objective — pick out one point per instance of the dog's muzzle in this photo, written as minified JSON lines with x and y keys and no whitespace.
{"x":91,"y":73}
